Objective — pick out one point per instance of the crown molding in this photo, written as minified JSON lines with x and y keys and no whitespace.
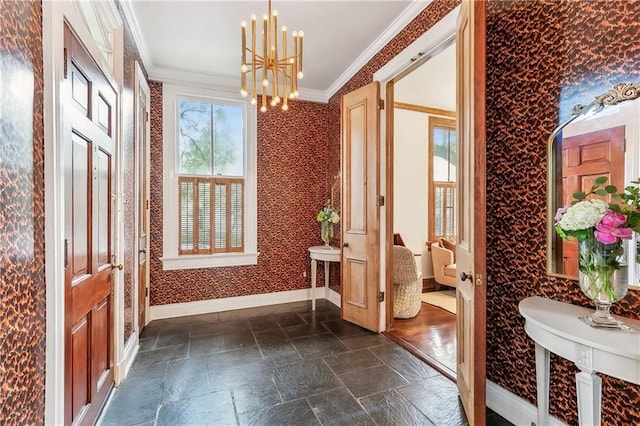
{"x":227,"y":83}
{"x":132,"y":21}
{"x":387,"y":35}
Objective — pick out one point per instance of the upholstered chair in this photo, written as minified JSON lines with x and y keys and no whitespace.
{"x":444,"y":262}
{"x":407,"y":284}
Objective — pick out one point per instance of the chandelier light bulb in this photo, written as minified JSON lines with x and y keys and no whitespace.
{"x":243,"y":68}
{"x":263,"y":109}
{"x":254,"y":101}
{"x":277,"y":99}
{"x":273,"y":102}
{"x":254,"y":17}
{"x":243,"y":93}
{"x":265,"y":83}
{"x":300,"y":75}
{"x":285,"y":107}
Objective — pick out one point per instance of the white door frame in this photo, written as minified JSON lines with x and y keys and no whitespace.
{"x":430,"y":40}
{"x":54,"y":15}
{"x":142,"y":124}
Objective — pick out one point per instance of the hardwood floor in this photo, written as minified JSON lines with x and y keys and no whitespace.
{"x":431,"y":336}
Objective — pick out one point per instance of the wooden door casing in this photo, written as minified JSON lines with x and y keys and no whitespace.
{"x":586,"y":157}
{"x":471,"y":245}
{"x":360,"y":254}
{"x":88,"y":138}
{"x":142,"y":132}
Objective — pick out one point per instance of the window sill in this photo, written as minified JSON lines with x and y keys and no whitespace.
{"x":209,"y":261}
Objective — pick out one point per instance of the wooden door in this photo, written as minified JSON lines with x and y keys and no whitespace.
{"x":584,"y":158}
{"x":142,"y":138}
{"x":88,"y":141}
{"x":360,"y":213}
{"x":471,"y":252}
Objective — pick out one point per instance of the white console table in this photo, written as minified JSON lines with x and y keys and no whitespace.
{"x":326,"y":254}
{"x":555,"y":327}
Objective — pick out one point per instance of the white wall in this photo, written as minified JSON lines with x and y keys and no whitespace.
{"x":410,"y":177}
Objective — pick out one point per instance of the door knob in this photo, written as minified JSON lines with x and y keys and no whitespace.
{"x":464,"y":276}
{"x":345,"y":244}
{"x":142,"y":251}
{"x":117,"y":266}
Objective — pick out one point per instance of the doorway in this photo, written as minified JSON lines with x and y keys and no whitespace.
{"x":424,"y":175}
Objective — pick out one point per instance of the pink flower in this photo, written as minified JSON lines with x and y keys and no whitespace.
{"x":560,"y":212}
{"x":608,"y":228}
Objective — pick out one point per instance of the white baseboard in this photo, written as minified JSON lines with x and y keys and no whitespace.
{"x":513,"y":408}
{"x":241,"y":302}
{"x":334,"y":297}
{"x":130,"y":352}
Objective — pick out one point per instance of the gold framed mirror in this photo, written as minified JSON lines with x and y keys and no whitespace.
{"x":599,"y":139}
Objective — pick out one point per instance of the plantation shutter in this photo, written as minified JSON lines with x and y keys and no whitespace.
{"x":211,"y":221}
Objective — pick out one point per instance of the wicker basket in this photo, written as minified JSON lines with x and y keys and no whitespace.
{"x":407,"y":286}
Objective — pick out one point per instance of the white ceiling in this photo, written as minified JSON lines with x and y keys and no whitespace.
{"x":200,"y":40}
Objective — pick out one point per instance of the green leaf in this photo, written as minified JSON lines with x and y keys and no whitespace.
{"x":611,"y":189}
{"x":600,"y":180}
{"x":579,"y":195}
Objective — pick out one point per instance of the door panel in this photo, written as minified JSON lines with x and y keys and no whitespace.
{"x":584,"y":158}
{"x":88,"y":121}
{"x":361,"y":219}
{"x":470,"y":249}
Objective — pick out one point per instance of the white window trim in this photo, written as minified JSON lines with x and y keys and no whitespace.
{"x":170,"y":258}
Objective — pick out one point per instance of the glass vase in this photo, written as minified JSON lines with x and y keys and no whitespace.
{"x":326,"y":232}
{"x":603,"y":279}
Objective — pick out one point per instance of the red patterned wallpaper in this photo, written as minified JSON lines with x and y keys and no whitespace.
{"x":542,"y":58}
{"x":22,"y":294}
{"x":292,"y":161}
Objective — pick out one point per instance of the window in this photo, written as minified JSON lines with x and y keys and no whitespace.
{"x":442,"y":181}
{"x":210,"y":179}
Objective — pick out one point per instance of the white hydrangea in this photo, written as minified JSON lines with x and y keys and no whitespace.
{"x":583,"y":215}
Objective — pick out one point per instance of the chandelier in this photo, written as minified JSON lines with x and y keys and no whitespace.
{"x":277,"y":70}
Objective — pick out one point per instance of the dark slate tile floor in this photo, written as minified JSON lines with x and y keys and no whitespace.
{"x":279,"y":365}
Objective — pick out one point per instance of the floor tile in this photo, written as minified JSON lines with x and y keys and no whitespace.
{"x":354,"y":360}
{"x":161,"y":355}
{"x":389,"y":408}
{"x":367,"y":381}
{"x":410,"y":367}
{"x":294,"y":413}
{"x":304,"y":379}
{"x":137,"y":398}
{"x":319,"y":346}
{"x":250,"y":397}
{"x":339,"y":407}
{"x":437,"y":397}
{"x":210,"y":409}
{"x":186,"y":378}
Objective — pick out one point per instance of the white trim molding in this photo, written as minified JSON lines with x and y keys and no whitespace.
{"x":513,"y":408}
{"x":240,"y":302}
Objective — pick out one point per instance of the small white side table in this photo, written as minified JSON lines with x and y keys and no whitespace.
{"x":554,"y":327}
{"x":326,"y":254}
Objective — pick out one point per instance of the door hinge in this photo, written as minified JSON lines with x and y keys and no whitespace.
{"x":381,"y":296}
{"x":146,"y":290}
{"x":380,"y":201}
{"x":147,"y":204}
{"x":64,"y":58}
{"x":66,"y":252}
{"x":380,"y":103}
{"x":147,"y":116}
